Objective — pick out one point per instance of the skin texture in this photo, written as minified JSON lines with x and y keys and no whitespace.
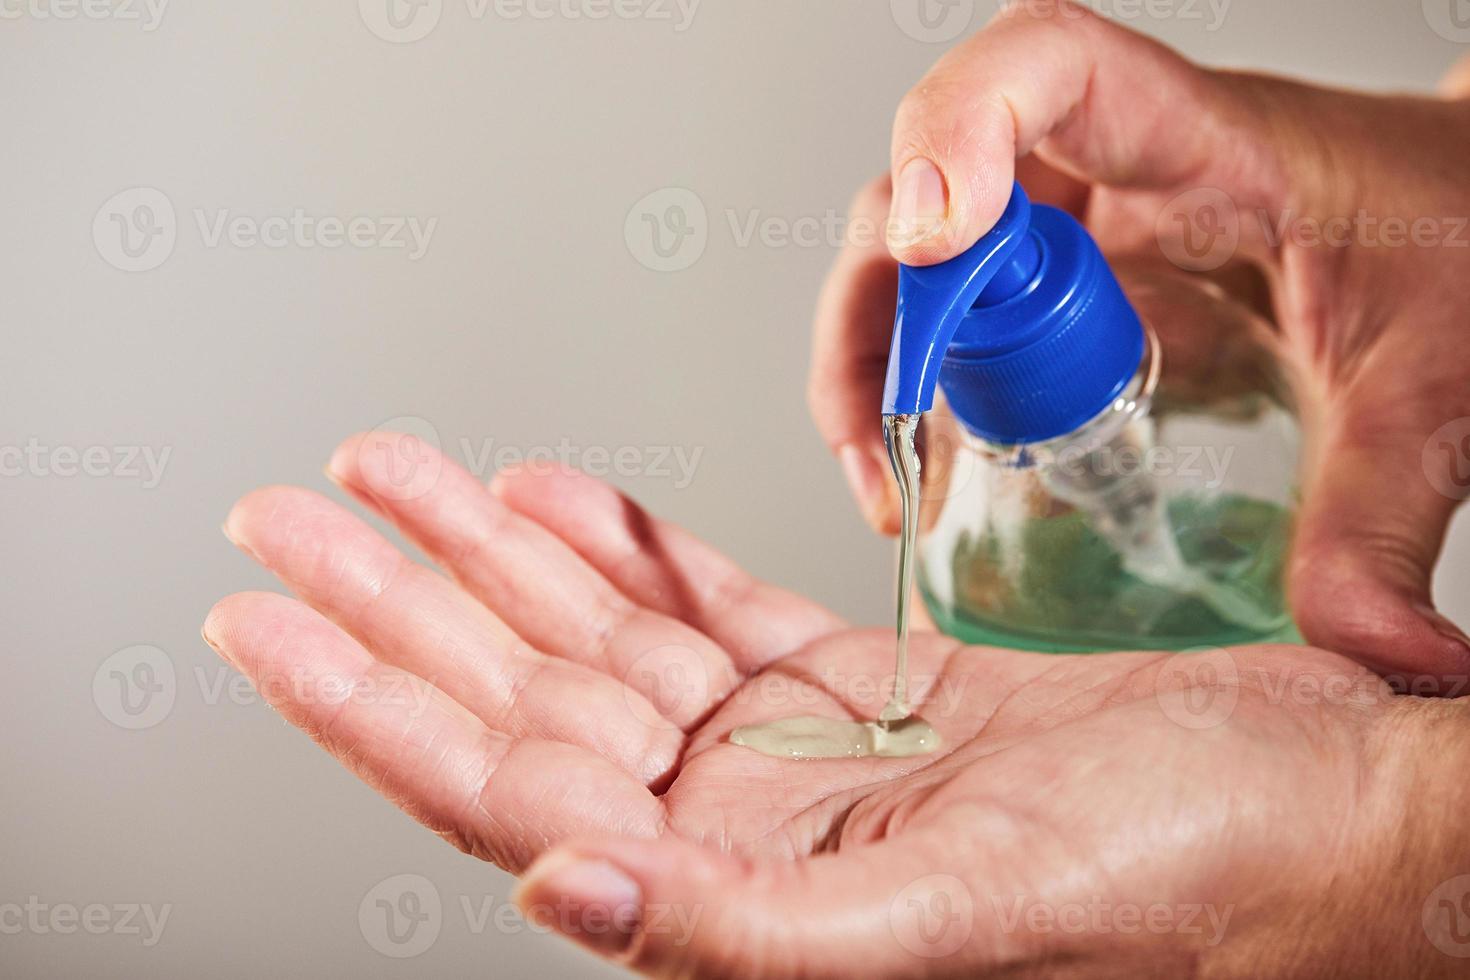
{"x":1322,"y":188}
{"x":559,"y":701}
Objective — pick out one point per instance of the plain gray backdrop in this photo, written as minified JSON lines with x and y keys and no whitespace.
{"x":531,"y":320}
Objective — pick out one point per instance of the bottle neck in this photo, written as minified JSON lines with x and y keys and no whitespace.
{"x":1133,"y":402}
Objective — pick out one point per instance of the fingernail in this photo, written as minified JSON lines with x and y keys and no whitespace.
{"x":863,"y":477}
{"x":234,"y":539}
{"x":920,"y":203}
{"x":587,"y":900}
{"x":210,"y":631}
{"x":339,"y":467}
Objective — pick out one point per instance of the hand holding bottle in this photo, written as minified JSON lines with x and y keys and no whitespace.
{"x":1335,"y":214}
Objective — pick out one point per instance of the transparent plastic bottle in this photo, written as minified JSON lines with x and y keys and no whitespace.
{"x":1091,"y":483}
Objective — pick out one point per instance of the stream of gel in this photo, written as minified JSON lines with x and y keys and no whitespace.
{"x":897,"y":732}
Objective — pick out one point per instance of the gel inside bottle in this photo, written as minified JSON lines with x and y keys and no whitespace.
{"x":1092,"y":483}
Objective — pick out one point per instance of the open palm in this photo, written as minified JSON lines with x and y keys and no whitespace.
{"x":572,"y":689}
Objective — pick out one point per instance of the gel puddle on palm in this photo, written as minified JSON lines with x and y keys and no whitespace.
{"x":897,"y":733}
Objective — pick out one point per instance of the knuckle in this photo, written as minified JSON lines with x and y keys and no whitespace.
{"x":945,"y":117}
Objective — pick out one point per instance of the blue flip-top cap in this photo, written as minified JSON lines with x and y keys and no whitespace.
{"x":1028,"y":331}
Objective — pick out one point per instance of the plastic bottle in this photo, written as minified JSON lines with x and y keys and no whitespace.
{"x":1091,"y":483}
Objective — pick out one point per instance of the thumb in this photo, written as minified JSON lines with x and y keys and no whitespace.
{"x":1378,"y":497}
{"x":1097,"y":101}
{"x":679,"y":909}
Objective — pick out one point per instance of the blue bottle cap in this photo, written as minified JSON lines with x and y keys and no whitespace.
{"x":1028,"y":331}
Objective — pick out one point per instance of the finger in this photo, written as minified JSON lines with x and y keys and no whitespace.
{"x":1371,"y":525}
{"x":495,"y":797}
{"x":412,"y":618}
{"x":533,"y":580}
{"x":679,"y":909}
{"x":1456,"y":82}
{"x":850,"y":339}
{"x":1095,"y":100}
{"x":1046,"y":184}
{"x":663,"y":567}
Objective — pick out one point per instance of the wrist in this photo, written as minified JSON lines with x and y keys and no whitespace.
{"x":1396,"y":903}
{"x":1384,"y":895}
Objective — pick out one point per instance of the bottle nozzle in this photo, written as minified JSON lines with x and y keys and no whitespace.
{"x":933,"y":300}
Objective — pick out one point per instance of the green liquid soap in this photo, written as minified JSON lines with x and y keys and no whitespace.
{"x":1074,"y":592}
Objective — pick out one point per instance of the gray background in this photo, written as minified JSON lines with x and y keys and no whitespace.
{"x":527,"y":322}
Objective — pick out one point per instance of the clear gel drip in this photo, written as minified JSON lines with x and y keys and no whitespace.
{"x":897,"y":733}
{"x":898,"y":431}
